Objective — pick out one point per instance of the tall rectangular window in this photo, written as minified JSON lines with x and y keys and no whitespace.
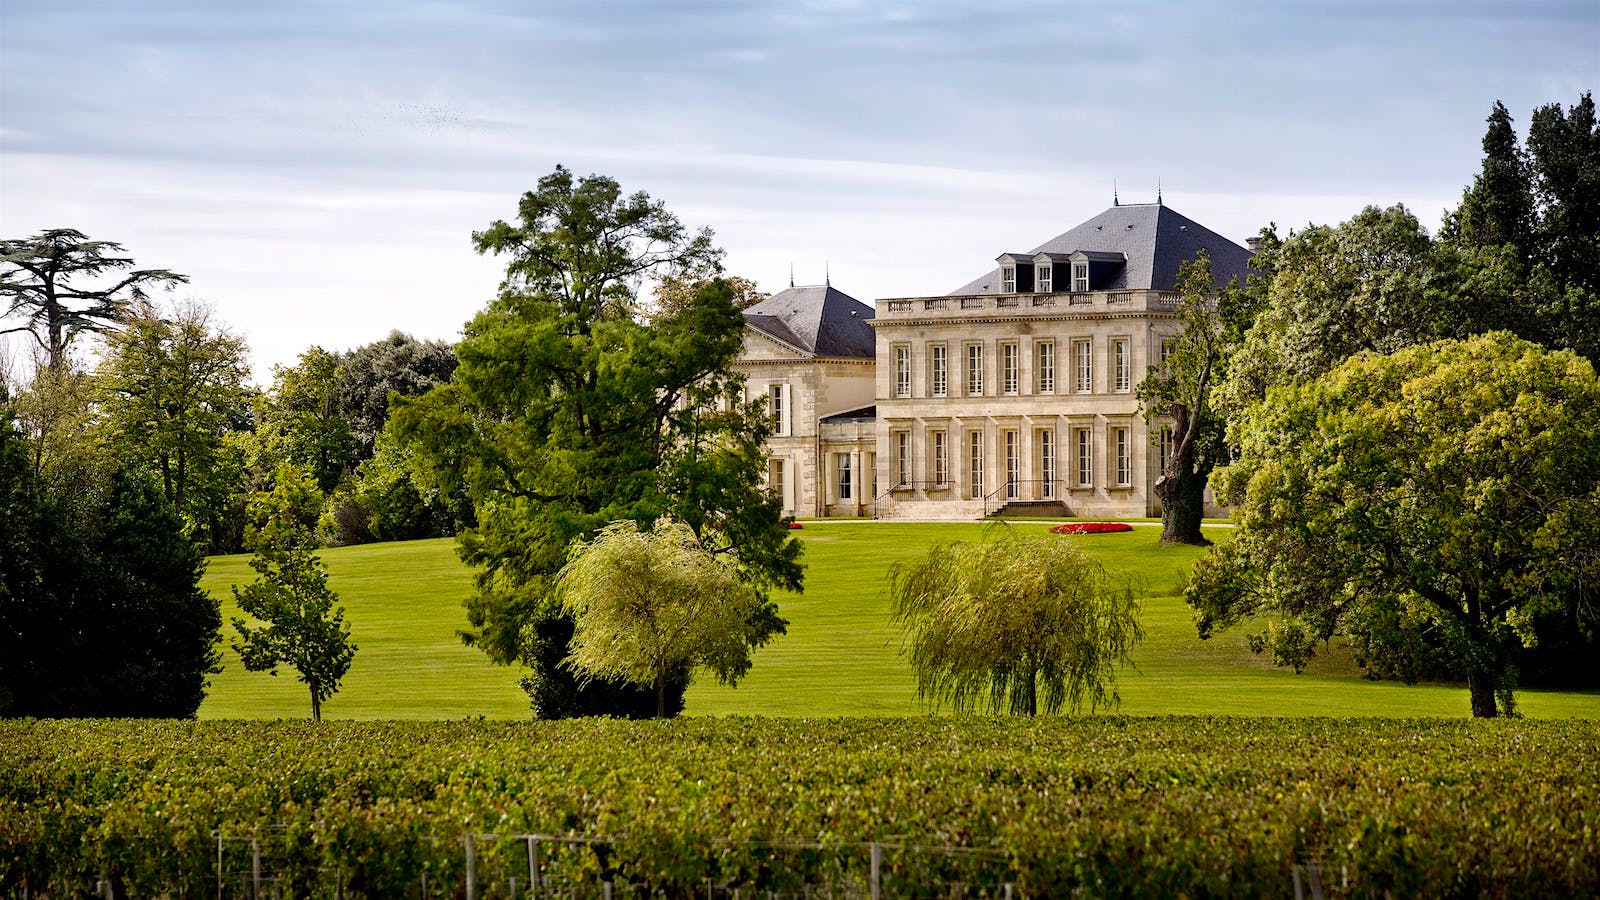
{"x":1013,"y":464}
{"x":1083,"y":360}
{"x":1167,"y":346}
{"x":871,"y":465}
{"x":902,"y":457}
{"x":1085,"y":457}
{"x":1008,"y":279}
{"x":1080,"y":277}
{"x":1164,"y":445}
{"x":974,"y":370}
{"x":1042,"y":279}
{"x":1008,"y":368}
{"x":941,"y":458}
{"x":1119,"y":438}
{"x":775,"y":405}
{"x":1047,"y":463}
{"x":975,"y":464}
{"x":1122,"y":365}
{"x":902,"y":370}
{"x":1046,"y":368}
{"x":844,"y":475}
{"x":938,"y":370}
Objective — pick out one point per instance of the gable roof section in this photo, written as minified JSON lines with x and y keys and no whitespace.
{"x":1155,"y":240}
{"x":820,"y":319}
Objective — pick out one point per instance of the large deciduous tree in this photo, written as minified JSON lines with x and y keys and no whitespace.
{"x":568,"y":412}
{"x":62,"y":283}
{"x":398,"y":364}
{"x":300,"y":420}
{"x":1016,"y":623}
{"x":299,"y":624}
{"x":1181,"y":389}
{"x":650,"y":606}
{"x":1431,"y":505}
{"x":172,"y":389}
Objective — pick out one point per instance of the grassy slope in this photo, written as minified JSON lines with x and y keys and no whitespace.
{"x":840,"y":657}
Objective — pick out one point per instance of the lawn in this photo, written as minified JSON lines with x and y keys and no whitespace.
{"x":840,"y":657}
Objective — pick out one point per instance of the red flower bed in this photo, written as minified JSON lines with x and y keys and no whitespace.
{"x":794,"y":525}
{"x":1091,"y":528}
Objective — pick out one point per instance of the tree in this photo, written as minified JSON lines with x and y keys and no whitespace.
{"x":398,"y":364}
{"x":101,"y":613}
{"x":567,"y":412}
{"x":1564,"y":150}
{"x":301,"y":626}
{"x":301,"y":421}
{"x":996,"y":623}
{"x":674,"y":292}
{"x":1180,"y":388}
{"x":1430,"y":505}
{"x":651,"y":605}
{"x":172,"y":389}
{"x":43,"y":282}
{"x":1498,"y":208}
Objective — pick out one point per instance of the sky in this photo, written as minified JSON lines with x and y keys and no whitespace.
{"x":317,"y":168}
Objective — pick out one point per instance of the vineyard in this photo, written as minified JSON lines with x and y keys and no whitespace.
{"x":755,"y":808}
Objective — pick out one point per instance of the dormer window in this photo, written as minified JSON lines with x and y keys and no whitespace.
{"x":1043,"y":278}
{"x":1080,"y":277}
{"x":1008,"y":279}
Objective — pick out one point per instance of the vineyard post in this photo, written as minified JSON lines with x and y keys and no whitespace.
{"x":533,"y":865}
{"x":472,"y":869}
{"x":877,"y":866}
{"x":255,"y":867}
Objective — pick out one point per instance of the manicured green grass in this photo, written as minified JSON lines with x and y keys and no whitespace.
{"x":840,"y":657}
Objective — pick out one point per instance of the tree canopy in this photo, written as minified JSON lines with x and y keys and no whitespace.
{"x":48,"y":280}
{"x":648,"y":605}
{"x":1429,"y":505}
{"x":568,"y":412}
{"x":1014,"y":623}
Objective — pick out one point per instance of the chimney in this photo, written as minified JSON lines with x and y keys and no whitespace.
{"x":1254,"y":243}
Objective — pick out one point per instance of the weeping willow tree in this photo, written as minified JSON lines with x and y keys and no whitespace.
{"x":1013,"y":623}
{"x":650,"y":607}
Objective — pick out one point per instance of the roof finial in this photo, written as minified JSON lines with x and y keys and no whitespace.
{"x":1114,"y":200}
{"x":827,"y":280}
{"x":791,"y":274}
{"x":1158,"y":191}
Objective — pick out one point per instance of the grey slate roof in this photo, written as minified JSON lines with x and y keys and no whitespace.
{"x":1155,"y":239}
{"x":819,"y":319}
{"x":864,"y":414}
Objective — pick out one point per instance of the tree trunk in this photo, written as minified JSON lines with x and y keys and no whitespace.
{"x":661,"y":692}
{"x":1032,"y":689}
{"x":316,"y":706}
{"x":1481,"y":685}
{"x":1183,"y":504}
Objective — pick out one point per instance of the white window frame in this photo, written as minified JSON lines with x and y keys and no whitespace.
{"x":1013,"y":445}
{"x":902,"y":370}
{"x":1047,"y":463}
{"x":902,"y":458}
{"x":1042,"y":277}
{"x":1122,"y":364}
{"x":974,"y":370}
{"x":1124,"y":457}
{"x":778,"y":406}
{"x":1008,"y":279}
{"x":1080,"y":278}
{"x":1085,"y":441}
{"x":1083,"y":365}
{"x":938,"y":369}
{"x":842,"y":465}
{"x":1009,"y":365}
{"x":941,"y":456}
{"x":1045,"y":369}
{"x":975,"y":465}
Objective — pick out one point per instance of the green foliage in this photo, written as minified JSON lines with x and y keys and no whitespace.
{"x":568,"y":412}
{"x":398,"y":364}
{"x":171,"y":390}
{"x":649,"y":606}
{"x":44,"y":281}
{"x":996,"y":623}
{"x":300,"y":626}
{"x":100,"y":609}
{"x":1113,"y":807}
{"x":1432,"y":501}
{"x":300,"y":421}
